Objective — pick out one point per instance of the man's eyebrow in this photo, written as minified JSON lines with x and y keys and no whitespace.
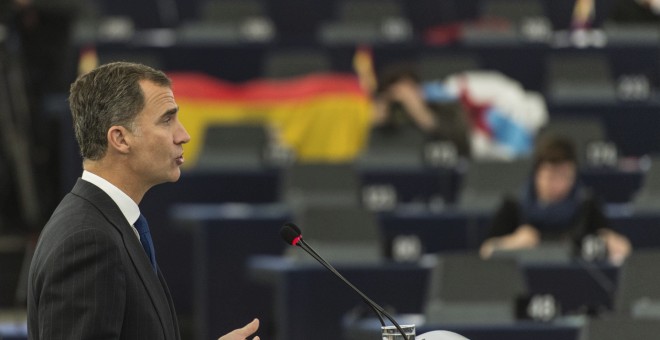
{"x":170,"y":112}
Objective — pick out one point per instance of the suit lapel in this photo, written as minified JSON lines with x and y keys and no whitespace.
{"x":135,"y":251}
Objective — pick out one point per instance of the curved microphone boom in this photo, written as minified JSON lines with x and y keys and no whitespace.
{"x":293,"y":236}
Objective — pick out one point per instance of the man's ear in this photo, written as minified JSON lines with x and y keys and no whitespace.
{"x":119,"y":139}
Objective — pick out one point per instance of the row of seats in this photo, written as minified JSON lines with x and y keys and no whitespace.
{"x":326,"y":199}
{"x":250,"y":146}
{"x":480,"y":187}
{"x":457,"y":279}
{"x":466,"y":291}
{"x":391,"y":19}
{"x":457,"y":294}
{"x":563,"y":76}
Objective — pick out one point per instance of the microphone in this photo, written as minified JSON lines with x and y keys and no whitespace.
{"x":293,"y":236}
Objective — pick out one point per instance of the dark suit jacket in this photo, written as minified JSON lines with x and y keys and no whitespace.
{"x":91,"y":279}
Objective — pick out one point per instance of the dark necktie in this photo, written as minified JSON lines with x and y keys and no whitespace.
{"x":145,"y":238}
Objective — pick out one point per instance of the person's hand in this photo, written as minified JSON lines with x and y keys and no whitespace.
{"x":409,"y":94}
{"x":405,"y":91}
{"x":524,"y":237}
{"x":380,"y":112}
{"x":488,"y":247}
{"x":618,"y":246}
{"x":243,"y":333}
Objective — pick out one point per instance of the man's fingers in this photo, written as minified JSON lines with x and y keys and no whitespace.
{"x":243,"y":333}
{"x":250,"y":328}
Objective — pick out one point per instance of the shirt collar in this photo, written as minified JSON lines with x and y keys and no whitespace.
{"x":128,"y":207}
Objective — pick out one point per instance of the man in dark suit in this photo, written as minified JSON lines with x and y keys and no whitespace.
{"x":94,"y":273}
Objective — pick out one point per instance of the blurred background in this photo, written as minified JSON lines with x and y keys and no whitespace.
{"x":389,"y":130}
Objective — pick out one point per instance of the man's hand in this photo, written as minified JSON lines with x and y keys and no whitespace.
{"x":243,"y":333}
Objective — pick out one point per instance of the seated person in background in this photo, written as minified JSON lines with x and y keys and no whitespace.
{"x":553,"y":207}
{"x":485,"y":114}
{"x":401,"y":96}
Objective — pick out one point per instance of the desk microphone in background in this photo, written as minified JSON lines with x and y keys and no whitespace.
{"x":293,"y":236}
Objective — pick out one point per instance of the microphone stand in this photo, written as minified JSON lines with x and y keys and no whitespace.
{"x":318,"y":258}
{"x":292,"y":235}
{"x":377,"y":309}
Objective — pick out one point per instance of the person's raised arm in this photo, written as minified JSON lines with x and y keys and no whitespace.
{"x":408,"y":93}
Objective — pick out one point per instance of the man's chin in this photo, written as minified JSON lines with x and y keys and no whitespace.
{"x":172,"y":177}
{"x":175,"y":177}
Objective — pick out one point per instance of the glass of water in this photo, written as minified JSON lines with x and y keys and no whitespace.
{"x":391,"y":333}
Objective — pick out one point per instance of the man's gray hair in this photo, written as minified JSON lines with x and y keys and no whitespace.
{"x":110,"y":95}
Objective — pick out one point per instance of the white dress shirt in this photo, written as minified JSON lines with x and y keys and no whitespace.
{"x":128,"y":207}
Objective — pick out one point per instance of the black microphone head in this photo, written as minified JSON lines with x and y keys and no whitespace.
{"x":294,"y":227}
{"x":291,"y":234}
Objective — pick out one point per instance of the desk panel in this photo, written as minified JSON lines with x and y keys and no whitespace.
{"x":311,"y":304}
{"x":419,"y":185}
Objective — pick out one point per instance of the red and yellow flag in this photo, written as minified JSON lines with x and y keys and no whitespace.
{"x":322,"y":117}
